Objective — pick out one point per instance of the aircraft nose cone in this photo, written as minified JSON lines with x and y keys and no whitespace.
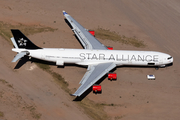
{"x":172,"y":60}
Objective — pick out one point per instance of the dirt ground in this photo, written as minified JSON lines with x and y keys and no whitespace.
{"x":30,"y":93}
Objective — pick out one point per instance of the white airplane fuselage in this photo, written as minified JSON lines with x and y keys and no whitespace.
{"x":88,"y":57}
{"x":96,"y":56}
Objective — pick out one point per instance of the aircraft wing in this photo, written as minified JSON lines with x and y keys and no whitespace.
{"x":93,"y":74}
{"x":87,"y":40}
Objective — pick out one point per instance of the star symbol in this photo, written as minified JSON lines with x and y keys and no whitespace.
{"x":22,"y":42}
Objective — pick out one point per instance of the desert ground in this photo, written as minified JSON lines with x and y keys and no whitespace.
{"x":31,"y":93}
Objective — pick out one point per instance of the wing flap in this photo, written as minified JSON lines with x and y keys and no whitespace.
{"x":94,"y":73}
{"x":87,"y":40}
{"x":87,"y":74}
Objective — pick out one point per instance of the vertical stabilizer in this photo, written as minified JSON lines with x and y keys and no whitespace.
{"x":21,"y":41}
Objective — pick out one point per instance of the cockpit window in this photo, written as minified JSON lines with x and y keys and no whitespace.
{"x":169,"y":58}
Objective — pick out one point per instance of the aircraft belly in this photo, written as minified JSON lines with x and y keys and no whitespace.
{"x":141,"y":63}
{"x":71,"y":61}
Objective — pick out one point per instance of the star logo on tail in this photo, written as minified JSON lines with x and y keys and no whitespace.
{"x":22,"y":42}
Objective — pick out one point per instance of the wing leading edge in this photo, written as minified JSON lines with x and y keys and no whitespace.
{"x":87,"y":40}
{"x":93,"y":74}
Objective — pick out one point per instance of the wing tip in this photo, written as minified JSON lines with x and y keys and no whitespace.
{"x":64,"y":12}
{"x":73,"y":95}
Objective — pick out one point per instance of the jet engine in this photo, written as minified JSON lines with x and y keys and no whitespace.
{"x":92,"y":32}
{"x":96,"y":89}
{"x":109,"y":48}
{"x":112,"y":76}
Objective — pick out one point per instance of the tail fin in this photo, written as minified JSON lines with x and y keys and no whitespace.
{"x":21,"y":41}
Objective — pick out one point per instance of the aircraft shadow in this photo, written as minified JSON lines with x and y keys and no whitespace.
{"x":23,"y":60}
{"x":134,"y":66}
{"x":80,"y":98}
{"x":68,"y":23}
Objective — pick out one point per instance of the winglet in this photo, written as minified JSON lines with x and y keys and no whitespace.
{"x":64,"y":12}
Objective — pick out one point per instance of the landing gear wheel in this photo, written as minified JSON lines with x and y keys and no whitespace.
{"x":157,"y":68}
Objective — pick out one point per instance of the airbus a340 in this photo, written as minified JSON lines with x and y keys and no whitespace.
{"x":96,"y":56}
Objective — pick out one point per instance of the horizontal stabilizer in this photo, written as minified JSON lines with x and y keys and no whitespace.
{"x":19,"y":56}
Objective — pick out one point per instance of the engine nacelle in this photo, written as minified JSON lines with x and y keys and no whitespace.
{"x":92,"y":32}
{"x":112,"y":76}
{"x":110,"y":48}
{"x":96,"y":88}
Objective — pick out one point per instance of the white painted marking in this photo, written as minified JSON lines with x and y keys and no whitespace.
{"x":32,"y":67}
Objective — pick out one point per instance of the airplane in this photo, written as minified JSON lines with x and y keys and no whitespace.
{"x":97,"y":57}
